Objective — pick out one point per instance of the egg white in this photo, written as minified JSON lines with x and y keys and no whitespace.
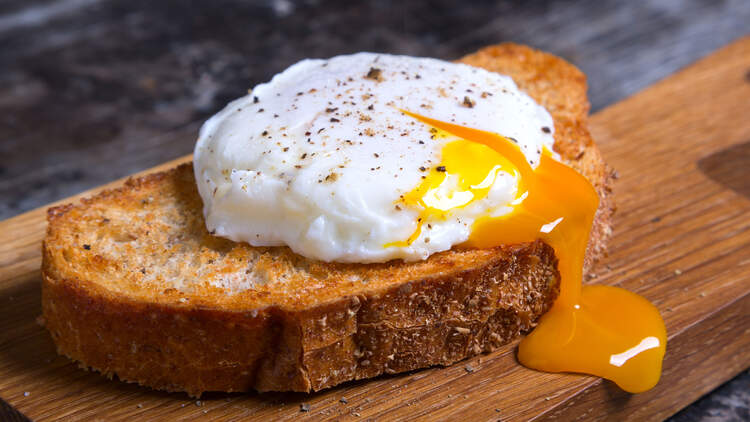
{"x":317,"y":158}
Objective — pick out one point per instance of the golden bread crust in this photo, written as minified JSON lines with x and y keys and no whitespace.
{"x":134,"y":285}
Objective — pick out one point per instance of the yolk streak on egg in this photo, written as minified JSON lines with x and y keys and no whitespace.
{"x":600,"y":330}
{"x":465,"y":174}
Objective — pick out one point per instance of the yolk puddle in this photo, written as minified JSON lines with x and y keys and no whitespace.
{"x":599,"y":330}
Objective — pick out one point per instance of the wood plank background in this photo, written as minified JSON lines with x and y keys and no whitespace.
{"x":682,"y":239}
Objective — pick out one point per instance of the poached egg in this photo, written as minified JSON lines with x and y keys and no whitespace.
{"x":372,"y":157}
{"x":327,"y":159}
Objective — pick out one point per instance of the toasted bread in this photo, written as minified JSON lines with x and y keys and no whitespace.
{"x":134,"y":285}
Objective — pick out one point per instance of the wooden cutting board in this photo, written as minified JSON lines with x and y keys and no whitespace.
{"x":682,"y":240}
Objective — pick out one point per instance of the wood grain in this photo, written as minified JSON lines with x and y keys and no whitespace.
{"x":682,"y":239}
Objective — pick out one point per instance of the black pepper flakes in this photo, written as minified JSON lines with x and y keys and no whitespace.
{"x":87,"y":247}
{"x":468,"y":102}
{"x":334,"y":120}
{"x":374,"y":74}
{"x":265,"y":133}
{"x":255,"y":100}
{"x":545,"y":129}
{"x":331,"y":109}
{"x":261,"y":110}
{"x":440,"y":168}
{"x":421,"y":168}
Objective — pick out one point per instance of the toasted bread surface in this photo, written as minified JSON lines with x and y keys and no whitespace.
{"x":134,"y":285}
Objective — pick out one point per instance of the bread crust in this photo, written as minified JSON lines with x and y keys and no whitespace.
{"x":299,"y":325}
{"x":430,"y":321}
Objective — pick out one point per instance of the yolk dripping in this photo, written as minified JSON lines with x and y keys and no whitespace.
{"x":599,"y":330}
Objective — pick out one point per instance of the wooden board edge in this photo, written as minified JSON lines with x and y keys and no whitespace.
{"x":9,"y":413}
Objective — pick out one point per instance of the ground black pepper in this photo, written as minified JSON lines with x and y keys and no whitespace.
{"x":374,"y":74}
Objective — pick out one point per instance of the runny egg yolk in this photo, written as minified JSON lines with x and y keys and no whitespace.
{"x":600,"y":330}
{"x":466,"y":173}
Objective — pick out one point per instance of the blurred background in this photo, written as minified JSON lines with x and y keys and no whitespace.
{"x":94,"y":90}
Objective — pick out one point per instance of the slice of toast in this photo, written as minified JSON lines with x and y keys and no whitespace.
{"x":134,"y":285}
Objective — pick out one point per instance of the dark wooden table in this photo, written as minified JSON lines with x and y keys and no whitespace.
{"x":94,"y":90}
